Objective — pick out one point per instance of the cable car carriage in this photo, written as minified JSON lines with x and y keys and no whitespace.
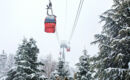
{"x":50,"y":24}
{"x":50,"y":20}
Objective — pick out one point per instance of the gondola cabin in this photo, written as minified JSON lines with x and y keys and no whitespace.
{"x":68,"y":49}
{"x":50,"y":24}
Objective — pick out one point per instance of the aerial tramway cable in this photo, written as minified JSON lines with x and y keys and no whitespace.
{"x":73,"y":28}
{"x":66,"y":14}
{"x":76,"y":18}
{"x":57,"y":36}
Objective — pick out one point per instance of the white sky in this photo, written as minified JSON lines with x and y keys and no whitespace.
{"x":25,"y":18}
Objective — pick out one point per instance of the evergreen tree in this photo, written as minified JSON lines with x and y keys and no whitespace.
{"x":53,"y":75}
{"x":26,"y":63}
{"x":11,"y":74}
{"x":114,"y":43}
{"x":61,"y":72}
{"x":3,"y":60}
{"x":83,"y":66}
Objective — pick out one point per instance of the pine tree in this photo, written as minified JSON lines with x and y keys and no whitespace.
{"x":53,"y":75}
{"x":61,"y":72}
{"x":61,"y":69}
{"x":3,"y":60}
{"x":26,"y":63}
{"x":83,"y":66}
{"x":11,"y":74}
{"x":114,"y":43}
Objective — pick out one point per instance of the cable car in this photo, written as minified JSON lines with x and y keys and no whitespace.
{"x":68,"y":49}
{"x":50,"y":24}
{"x":50,"y":20}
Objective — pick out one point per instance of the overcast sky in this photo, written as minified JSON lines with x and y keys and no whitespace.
{"x":25,"y":18}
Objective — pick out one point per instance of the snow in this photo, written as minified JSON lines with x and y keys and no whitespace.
{"x":22,"y":61}
{"x":32,"y":75}
{"x":42,"y":76}
{"x":33,"y":46}
{"x":3,"y":78}
{"x":122,"y":40}
{"x":128,"y":28}
{"x":129,"y":65}
{"x":120,"y":54}
{"x":24,"y":67}
{"x":108,"y":70}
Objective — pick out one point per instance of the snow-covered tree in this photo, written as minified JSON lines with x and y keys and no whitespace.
{"x":53,"y":75}
{"x":114,"y":43}
{"x":83,"y":67}
{"x":3,"y":60}
{"x":11,"y":74}
{"x":6,"y":63}
{"x":61,"y":72}
{"x":26,"y":63}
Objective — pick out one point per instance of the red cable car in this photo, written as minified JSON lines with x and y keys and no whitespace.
{"x":50,"y":24}
{"x":50,"y":20}
{"x":68,"y":49}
